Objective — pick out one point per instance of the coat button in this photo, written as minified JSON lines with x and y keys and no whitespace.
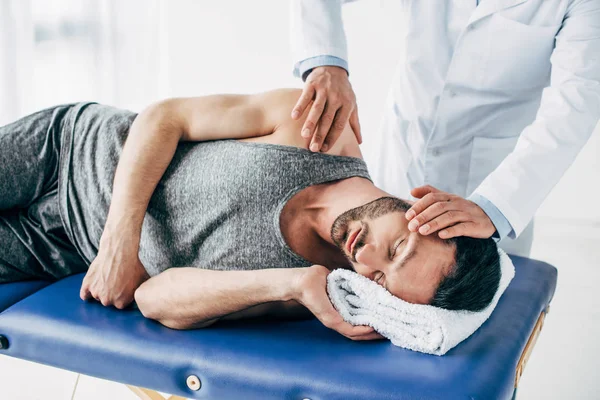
{"x":193,"y":382}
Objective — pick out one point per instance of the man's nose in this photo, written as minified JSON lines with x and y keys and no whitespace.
{"x":368,"y":257}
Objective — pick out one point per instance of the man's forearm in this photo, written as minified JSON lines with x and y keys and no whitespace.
{"x":183,"y":298}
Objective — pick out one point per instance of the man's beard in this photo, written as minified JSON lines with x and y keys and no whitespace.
{"x":372,"y":210}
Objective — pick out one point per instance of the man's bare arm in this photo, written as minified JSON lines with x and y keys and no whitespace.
{"x":157,"y":130}
{"x":290,"y":309}
{"x":117,"y":271}
{"x":186,"y":298}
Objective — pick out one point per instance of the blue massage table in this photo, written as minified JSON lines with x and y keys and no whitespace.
{"x":269,"y":359}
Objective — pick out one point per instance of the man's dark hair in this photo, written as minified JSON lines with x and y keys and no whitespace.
{"x":474,"y":279}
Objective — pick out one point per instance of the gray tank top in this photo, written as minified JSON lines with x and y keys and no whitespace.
{"x":216,"y":207}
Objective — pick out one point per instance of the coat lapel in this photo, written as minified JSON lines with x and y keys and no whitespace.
{"x":487,"y":7}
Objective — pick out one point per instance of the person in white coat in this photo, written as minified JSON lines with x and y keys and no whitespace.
{"x":491,"y":104}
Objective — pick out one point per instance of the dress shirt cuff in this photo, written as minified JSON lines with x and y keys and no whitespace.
{"x":304,"y":67}
{"x":503,"y":227}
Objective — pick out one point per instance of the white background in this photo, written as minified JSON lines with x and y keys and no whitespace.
{"x":141,"y":51}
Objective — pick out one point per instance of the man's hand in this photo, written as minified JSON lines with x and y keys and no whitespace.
{"x":115,"y":273}
{"x":334,"y":103}
{"x":312,"y":294}
{"x":447,"y":213}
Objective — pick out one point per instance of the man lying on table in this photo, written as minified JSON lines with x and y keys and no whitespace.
{"x":214,"y":208}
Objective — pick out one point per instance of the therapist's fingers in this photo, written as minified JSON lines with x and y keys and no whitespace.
{"x":325,"y":124}
{"x":442,"y":221}
{"x":338,"y":125}
{"x":305,"y":98}
{"x":433,"y":211}
{"x":451,"y":216}
{"x":462,"y":229}
{"x":316,"y":110}
{"x":355,"y":125}
{"x":413,"y":213}
{"x":421,"y":191}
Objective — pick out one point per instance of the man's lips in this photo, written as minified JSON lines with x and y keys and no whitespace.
{"x":351,"y":239}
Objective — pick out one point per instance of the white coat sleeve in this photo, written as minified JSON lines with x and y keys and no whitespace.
{"x":568,"y":113}
{"x":316,"y":29}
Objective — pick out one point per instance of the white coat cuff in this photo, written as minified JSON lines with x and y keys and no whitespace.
{"x":303,"y":68}
{"x":503,"y":227}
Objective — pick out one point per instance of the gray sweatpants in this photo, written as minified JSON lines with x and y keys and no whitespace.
{"x":33,"y":241}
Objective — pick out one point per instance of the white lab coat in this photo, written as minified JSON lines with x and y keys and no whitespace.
{"x":496,"y":99}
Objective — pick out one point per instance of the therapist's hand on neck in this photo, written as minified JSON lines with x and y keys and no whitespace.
{"x":448,"y":214}
{"x":334,"y":105}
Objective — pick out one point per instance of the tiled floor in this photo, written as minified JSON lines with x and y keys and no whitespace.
{"x":564,"y":364}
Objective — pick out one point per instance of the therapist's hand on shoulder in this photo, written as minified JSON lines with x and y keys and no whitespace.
{"x":334,"y":105}
{"x":115,"y":273}
{"x":448,"y":214}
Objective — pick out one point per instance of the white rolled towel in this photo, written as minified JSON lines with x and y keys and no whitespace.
{"x":418,"y":327}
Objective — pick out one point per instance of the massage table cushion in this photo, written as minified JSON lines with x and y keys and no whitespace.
{"x":269,"y":359}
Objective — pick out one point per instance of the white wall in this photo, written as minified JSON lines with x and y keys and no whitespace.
{"x":228,"y":46}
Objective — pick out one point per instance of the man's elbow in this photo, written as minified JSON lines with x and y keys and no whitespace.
{"x":146,"y":303}
{"x":164,"y":116}
{"x":150,"y":309}
{"x":184,"y":325}
{"x":173,"y":324}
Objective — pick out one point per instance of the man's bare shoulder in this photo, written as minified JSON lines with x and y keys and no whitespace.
{"x":279,"y":104}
